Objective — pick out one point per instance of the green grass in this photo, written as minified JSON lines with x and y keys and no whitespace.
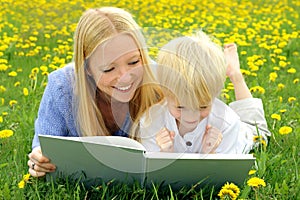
{"x":35,"y":34}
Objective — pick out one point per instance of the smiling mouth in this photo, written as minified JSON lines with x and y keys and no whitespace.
{"x":124,"y":88}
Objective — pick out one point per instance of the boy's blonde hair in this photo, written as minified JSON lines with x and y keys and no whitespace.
{"x":95,"y":27}
{"x":192,"y":70}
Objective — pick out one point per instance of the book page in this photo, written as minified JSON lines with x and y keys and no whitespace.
{"x":117,"y":141}
{"x":95,"y":157}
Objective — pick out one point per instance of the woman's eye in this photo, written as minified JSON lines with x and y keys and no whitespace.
{"x":108,"y":70}
{"x":134,"y":62}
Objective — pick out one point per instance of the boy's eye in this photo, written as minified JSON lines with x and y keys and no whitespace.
{"x":203,"y":108}
{"x":180,"y":107}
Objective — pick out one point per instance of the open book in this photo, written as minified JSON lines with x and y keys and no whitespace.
{"x":126,"y":160}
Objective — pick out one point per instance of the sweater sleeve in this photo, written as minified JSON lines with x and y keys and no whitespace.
{"x":55,"y":107}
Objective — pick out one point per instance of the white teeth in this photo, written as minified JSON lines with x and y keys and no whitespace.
{"x":123,"y":88}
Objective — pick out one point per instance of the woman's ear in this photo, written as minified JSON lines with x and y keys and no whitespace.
{"x":87,"y":69}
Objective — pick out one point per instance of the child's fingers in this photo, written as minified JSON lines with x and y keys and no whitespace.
{"x":172,"y":134}
{"x":166,"y":146}
{"x":164,"y":138}
{"x":211,"y":139}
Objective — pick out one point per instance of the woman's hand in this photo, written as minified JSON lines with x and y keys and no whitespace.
{"x":165,"y":140}
{"x":39,"y":164}
{"x":211,"y":140}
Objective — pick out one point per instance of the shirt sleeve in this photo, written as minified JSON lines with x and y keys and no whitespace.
{"x":54,"y":107}
{"x":252,"y":115}
{"x":150,"y":124}
{"x":230,"y":142}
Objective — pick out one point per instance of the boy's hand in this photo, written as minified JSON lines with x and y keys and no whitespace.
{"x":211,"y":140}
{"x":165,"y":140}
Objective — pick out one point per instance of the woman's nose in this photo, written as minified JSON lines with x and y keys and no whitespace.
{"x":124,"y":73}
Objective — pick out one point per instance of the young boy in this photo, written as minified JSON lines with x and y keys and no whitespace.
{"x":192,"y":72}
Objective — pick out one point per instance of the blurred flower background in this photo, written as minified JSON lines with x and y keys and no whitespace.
{"x":36,"y":37}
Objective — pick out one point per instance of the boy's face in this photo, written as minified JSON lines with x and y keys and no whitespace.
{"x":187,"y":118}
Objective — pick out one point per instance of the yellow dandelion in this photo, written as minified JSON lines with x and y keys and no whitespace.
{"x":17,"y":83}
{"x":243,"y":52}
{"x":25,"y":91}
{"x":285,"y":130}
{"x":280,"y":99}
{"x":225,"y":96}
{"x":45,"y":73}
{"x":230,"y":87}
{"x":245,"y":72}
{"x":35,"y":70}
{"x":291,"y":99}
{"x":21,"y":184}
{"x":4,"y":113}
{"x":3,"y":67}
{"x":295,"y":53}
{"x":6,"y":133}
{"x":282,"y":44}
{"x":43,"y":68}
{"x":227,"y":194}
{"x":47,"y":35}
{"x":263,"y":142}
{"x":229,"y":191}
{"x":12,"y":74}
{"x":1,"y":119}
{"x":26,"y":177}
{"x":12,"y":102}
{"x":33,"y":39}
{"x":276,"y":116}
{"x":282,"y":63}
{"x":2,"y":101}
{"x":282,"y":110}
{"x":273,"y":76}
{"x":292,"y":70}
{"x":2,"y":88}
{"x":295,"y":81}
{"x":276,"y":68}
{"x":278,"y":51}
{"x":258,"y":89}
{"x":280,"y":86}
{"x":251,"y":172}
{"x":256,"y":182}
{"x":32,"y":76}
{"x":257,"y":138}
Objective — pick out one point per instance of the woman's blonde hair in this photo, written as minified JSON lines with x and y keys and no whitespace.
{"x":95,"y":27}
{"x":192,"y":70}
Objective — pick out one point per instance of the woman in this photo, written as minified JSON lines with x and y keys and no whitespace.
{"x":104,"y":92}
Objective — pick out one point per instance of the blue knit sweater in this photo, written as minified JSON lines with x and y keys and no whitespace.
{"x":56,"y":115}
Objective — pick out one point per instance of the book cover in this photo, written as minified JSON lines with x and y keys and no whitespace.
{"x":126,"y":160}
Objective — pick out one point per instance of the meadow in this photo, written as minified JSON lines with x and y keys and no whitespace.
{"x":36,"y":38}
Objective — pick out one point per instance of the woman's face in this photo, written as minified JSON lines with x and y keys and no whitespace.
{"x":117,"y":67}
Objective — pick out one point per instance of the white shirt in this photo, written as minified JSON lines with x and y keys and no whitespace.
{"x":221,"y":117}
